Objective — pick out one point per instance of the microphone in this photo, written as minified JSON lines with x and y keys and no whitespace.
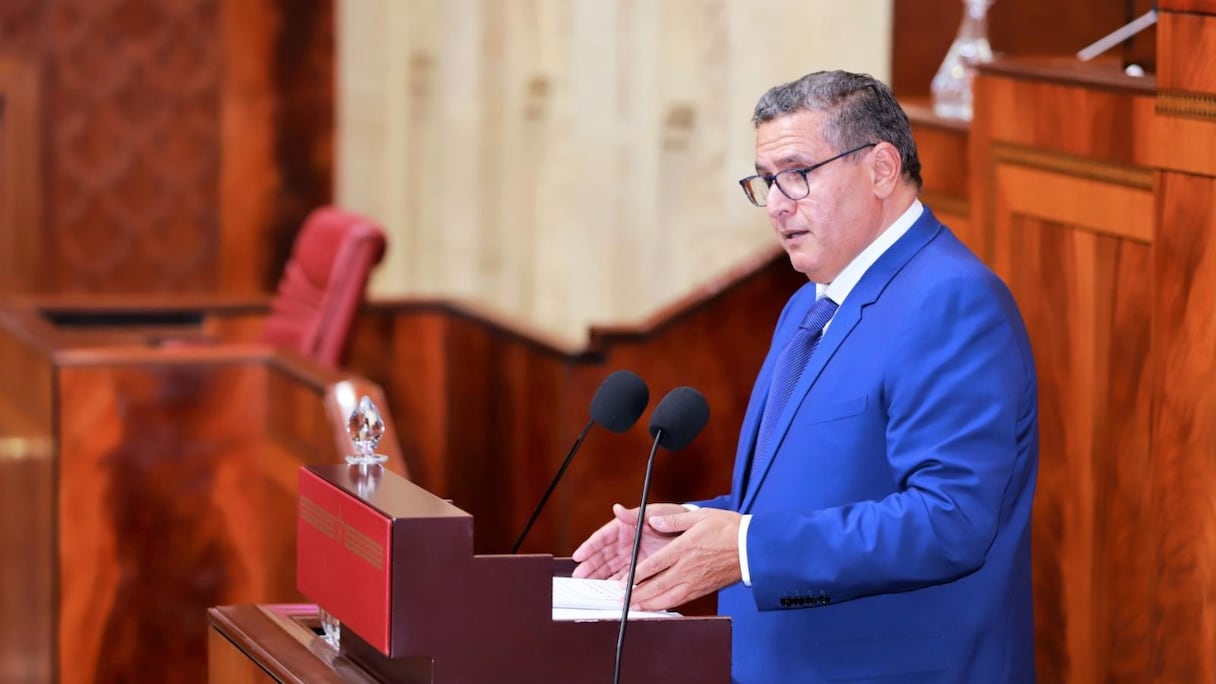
{"x":676,"y":421}
{"x":617,"y":405}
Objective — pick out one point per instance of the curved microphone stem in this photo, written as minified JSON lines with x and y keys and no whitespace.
{"x":552,"y":485}
{"x":633,"y":559}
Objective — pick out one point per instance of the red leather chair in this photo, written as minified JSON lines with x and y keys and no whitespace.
{"x":323,"y":284}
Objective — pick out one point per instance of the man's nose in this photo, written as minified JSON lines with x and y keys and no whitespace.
{"x":777,"y":203}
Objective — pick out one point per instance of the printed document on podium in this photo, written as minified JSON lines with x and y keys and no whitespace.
{"x":594,"y":599}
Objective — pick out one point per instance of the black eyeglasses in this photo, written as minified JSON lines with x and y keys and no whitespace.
{"x":792,"y":182}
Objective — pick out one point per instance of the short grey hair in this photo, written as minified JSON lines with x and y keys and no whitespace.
{"x":861,"y":110}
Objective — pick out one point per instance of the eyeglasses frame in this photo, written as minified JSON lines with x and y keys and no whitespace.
{"x":771,"y":179}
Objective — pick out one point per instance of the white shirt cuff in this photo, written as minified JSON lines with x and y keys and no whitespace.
{"x":744,"y":570}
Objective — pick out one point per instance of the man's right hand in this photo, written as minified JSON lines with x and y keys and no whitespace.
{"x":605,"y":554}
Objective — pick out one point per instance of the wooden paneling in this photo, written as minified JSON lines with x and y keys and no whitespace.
{"x":26,"y":493}
{"x":1184,"y":430}
{"x":1086,"y":299}
{"x":21,"y":244}
{"x":1098,"y":197}
{"x":1088,"y":122}
{"x":1069,"y":222}
{"x":162,"y":145}
{"x":27,"y":638}
{"x":132,"y":144}
{"x":1188,"y":70}
{"x":1184,"y":441}
{"x":1081,"y":202}
{"x":942,"y":147}
{"x":276,"y":131}
{"x":1094,"y":111}
{"x":162,"y":512}
{"x":142,"y":483}
{"x":1197,"y":6}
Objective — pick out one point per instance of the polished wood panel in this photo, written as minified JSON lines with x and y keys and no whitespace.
{"x":1098,"y":198}
{"x":1069,"y":220}
{"x":942,"y":146}
{"x":1086,"y":301}
{"x":1089,"y":122}
{"x":1184,"y":410}
{"x":20,"y":168}
{"x":27,"y":479}
{"x":276,"y":132}
{"x":1080,"y":202}
{"x":1196,"y":6}
{"x":1189,"y":70}
{"x":162,"y":512}
{"x":1184,"y":430}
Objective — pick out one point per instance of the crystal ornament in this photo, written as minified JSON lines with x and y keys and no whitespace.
{"x":365,"y":428}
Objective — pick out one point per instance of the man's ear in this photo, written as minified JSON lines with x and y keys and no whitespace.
{"x":886,"y":170}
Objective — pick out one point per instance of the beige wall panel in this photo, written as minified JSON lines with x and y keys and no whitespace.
{"x":570,"y":162}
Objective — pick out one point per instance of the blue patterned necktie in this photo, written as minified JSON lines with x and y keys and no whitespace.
{"x":788,"y":369}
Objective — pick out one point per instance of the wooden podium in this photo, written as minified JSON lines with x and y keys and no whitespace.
{"x":395,"y":565}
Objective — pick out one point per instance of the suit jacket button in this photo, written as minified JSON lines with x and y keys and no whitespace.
{"x":785,"y":602}
{"x":824,"y":600}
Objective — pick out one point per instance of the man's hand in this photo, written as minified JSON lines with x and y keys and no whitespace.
{"x":702,"y":557}
{"x":606,"y":552}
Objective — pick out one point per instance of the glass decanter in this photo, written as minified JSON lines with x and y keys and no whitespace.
{"x":952,"y":84}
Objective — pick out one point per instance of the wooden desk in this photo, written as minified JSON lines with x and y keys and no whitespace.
{"x":140,"y":485}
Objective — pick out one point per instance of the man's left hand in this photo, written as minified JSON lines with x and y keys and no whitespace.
{"x":702,"y":560}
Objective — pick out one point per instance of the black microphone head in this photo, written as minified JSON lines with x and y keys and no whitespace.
{"x":619,"y":401}
{"x":681,"y":415}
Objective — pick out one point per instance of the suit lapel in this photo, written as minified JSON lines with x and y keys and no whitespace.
{"x":759,"y":397}
{"x":866,"y":292}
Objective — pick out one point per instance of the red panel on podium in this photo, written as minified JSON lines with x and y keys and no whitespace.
{"x":343,"y":559}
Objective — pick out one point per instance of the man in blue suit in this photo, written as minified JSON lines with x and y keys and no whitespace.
{"x":878,"y":524}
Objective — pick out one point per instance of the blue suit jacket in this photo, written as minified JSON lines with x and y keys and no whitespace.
{"x":891,"y":531}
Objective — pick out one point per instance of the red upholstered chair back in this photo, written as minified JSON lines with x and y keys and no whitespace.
{"x":323,"y":284}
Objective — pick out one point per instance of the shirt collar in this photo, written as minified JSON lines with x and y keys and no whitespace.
{"x":844,"y":283}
